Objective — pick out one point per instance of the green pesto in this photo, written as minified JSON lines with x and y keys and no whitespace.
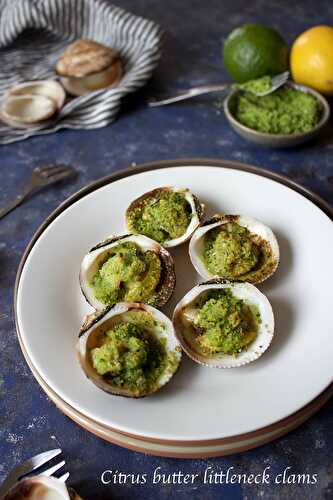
{"x":285,"y":111}
{"x":226,"y":324}
{"x":163,"y":218}
{"x":260,"y":85}
{"x":127,"y":274}
{"x":229,"y":251}
{"x":130,"y":356}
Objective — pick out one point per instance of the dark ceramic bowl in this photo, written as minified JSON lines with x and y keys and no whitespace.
{"x":276,"y":140}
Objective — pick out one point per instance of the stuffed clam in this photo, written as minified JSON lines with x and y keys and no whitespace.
{"x":127,"y":268}
{"x":224,"y":324}
{"x":41,"y":488}
{"x":129,"y":349}
{"x":234,"y":247}
{"x":168,"y":215}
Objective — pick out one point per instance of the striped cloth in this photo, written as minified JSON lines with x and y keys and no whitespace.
{"x":33,"y":35}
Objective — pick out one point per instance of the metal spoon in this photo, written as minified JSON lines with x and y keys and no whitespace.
{"x":41,"y":177}
{"x":277,"y":81}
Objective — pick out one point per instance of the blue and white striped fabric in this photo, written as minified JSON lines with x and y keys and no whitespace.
{"x":33,"y":35}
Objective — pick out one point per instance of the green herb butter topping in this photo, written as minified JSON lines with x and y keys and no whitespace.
{"x":259,"y":85}
{"x":130,"y":355}
{"x":127,"y":274}
{"x":164,"y":217}
{"x":230,"y":252}
{"x":285,"y":111}
{"x":225,"y":324}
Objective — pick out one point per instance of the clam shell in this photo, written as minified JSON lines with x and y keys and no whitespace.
{"x":197,"y":210}
{"x":41,"y":487}
{"x":251,"y":295}
{"x":27,"y":111}
{"x":99,"y":319}
{"x":84,"y":57}
{"x":107,"y":78}
{"x":262,"y":234}
{"x":47,"y":88}
{"x":91,"y":261}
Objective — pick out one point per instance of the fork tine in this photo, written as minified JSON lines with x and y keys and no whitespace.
{"x":50,"y":179}
{"x":28,"y":466}
{"x":49,"y":171}
{"x":64,"y":477}
{"x":53,"y":469}
{"x":52,"y":168}
{"x":38,"y":460}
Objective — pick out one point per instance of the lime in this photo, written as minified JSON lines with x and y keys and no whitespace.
{"x":254,"y":50}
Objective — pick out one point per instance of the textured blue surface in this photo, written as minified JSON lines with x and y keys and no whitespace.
{"x":29,"y":422}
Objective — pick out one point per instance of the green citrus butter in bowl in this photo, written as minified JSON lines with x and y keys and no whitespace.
{"x":285,"y":111}
{"x":287,"y":117}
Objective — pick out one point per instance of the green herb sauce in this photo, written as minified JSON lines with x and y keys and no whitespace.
{"x":225,"y":323}
{"x":229,"y":251}
{"x":163,"y":218}
{"x":285,"y":111}
{"x":127,"y":274}
{"x":260,"y":85}
{"x":130,"y":356}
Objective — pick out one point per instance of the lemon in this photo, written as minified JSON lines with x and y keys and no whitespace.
{"x":311,"y":59}
{"x":254,"y":50}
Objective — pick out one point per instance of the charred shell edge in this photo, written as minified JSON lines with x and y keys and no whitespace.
{"x":94,"y":318}
{"x":168,"y":279}
{"x":108,"y":241}
{"x":199,"y":208}
{"x":220,"y":218}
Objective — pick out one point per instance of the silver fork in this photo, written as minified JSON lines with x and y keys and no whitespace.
{"x":40,"y":178}
{"x":277,"y":81}
{"x":32,"y":464}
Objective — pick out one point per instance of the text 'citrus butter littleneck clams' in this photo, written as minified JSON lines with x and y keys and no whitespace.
{"x":168,"y":215}
{"x":129,"y":349}
{"x":127,"y":268}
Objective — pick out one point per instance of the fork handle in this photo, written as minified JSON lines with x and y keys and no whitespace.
{"x":16,"y":202}
{"x":187,"y":94}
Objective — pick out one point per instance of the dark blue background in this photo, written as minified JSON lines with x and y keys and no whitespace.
{"x":29,"y":422}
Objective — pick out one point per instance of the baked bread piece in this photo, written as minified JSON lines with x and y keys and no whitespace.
{"x":84,"y":57}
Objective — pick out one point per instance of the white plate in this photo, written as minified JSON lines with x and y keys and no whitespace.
{"x":199,"y":403}
{"x":189,"y":450}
